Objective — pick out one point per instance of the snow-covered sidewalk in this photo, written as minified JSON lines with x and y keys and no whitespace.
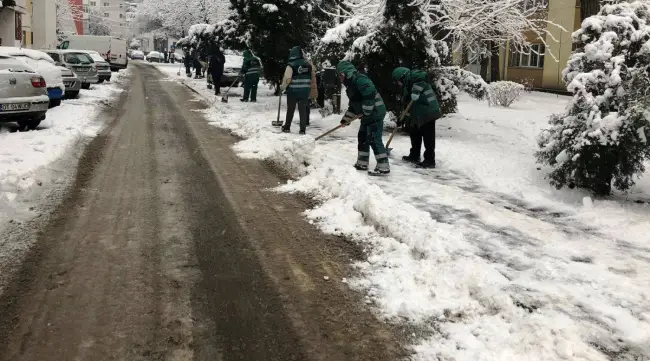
{"x":481,"y":256}
{"x":28,"y":160}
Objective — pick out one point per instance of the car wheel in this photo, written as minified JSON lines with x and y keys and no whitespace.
{"x":85,"y":86}
{"x":55,"y":103}
{"x":101,"y":80}
{"x":72,"y":94}
{"x":30,"y":124}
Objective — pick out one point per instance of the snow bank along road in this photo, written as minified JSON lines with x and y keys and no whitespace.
{"x":168,"y":247}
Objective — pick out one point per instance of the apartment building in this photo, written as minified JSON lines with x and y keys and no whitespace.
{"x":540,"y":69}
{"x":11,"y":20}
{"x":111,"y":12}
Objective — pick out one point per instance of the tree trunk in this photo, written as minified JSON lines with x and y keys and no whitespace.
{"x":484,"y":67}
{"x":588,"y":8}
{"x":494,"y":63}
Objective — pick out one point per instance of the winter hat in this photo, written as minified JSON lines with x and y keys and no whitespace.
{"x":400,"y":73}
{"x":346,"y":68}
{"x":295,"y":53}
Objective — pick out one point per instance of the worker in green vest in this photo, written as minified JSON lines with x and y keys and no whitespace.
{"x":365,"y":103}
{"x":297,"y":82}
{"x":423,"y":114}
{"x":250,"y":70}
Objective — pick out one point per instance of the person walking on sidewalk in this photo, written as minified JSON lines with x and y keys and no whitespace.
{"x":423,"y":114}
{"x":365,"y":103}
{"x":187,"y":61}
{"x":297,"y":81}
{"x":251,"y":71}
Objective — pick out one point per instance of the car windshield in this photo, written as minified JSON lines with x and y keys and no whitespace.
{"x":77,"y":58}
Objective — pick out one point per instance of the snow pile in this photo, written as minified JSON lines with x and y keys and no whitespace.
{"x":478,"y":275}
{"x":295,"y":156}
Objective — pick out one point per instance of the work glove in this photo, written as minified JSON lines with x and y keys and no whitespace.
{"x":347,"y":120}
{"x":415,"y":97}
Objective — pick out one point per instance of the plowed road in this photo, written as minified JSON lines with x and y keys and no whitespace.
{"x":169,"y":247}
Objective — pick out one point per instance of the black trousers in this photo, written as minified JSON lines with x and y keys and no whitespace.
{"x":216,"y":79}
{"x":302,"y":111}
{"x":425,"y":134}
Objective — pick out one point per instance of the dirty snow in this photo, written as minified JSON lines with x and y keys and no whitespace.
{"x":480,"y":257}
{"x":29,"y":166}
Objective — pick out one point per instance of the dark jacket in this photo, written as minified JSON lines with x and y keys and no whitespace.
{"x":363,"y":97}
{"x":217,"y":60}
{"x":416,"y":85}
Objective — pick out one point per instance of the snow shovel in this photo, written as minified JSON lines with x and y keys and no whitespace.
{"x":224,"y":98}
{"x":334,"y":129}
{"x":401,"y":118}
{"x":278,"y":123}
{"x":179,"y":70}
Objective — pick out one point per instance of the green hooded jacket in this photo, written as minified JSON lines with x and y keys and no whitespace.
{"x":252,"y":66}
{"x":363,"y":97}
{"x":416,"y":85}
{"x":300,"y":86}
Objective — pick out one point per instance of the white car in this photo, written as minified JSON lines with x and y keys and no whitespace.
{"x":155,"y":56}
{"x":103,"y":67}
{"x":42,"y":64}
{"x":137,"y":55}
{"x":23,"y":97}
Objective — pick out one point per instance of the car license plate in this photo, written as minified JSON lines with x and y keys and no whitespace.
{"x":15,"y":106}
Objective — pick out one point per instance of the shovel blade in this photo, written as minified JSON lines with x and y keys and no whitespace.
{"x":224,"y":99}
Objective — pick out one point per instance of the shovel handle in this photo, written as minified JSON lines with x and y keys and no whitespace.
{"x":408,"y":107}
{"x":333,"y":130}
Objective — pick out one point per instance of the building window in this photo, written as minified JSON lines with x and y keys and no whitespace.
{"x":121,"y":16}
{"x":535,"y":59}
{"x":93,"y":3}
{"x":105,"y":15}
{"x":121,"y":6}
{"x":107,"y":5}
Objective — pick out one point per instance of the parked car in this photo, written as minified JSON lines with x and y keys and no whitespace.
{"x":155,"y":57}
{"x":78,"y":61}
{"x":231,"y":70}
{"x":42,"y":64}
{"x":137,"y":55}
{"x":71,"y":82}
{"x":103,"y":67}
{"x":23,"y":94}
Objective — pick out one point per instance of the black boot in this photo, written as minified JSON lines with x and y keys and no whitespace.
{"x":286,"y":130}
{"x":411,"y":159}
{"x":358,"y":166}
{"x":427,"y":163}
{"x":244,"y":100}
{"x":302,"y":132}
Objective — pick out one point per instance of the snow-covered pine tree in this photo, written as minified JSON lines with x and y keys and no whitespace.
{"x":270,"y":28}
{"x":602,"y":135}
{"x":390,"y":33}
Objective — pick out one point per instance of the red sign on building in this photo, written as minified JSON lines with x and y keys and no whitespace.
{"x":77,"y":8}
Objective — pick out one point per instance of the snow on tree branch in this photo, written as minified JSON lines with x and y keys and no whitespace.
{"x":471,"y":25}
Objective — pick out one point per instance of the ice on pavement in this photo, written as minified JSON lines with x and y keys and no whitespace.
{"x":481,"y":257}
